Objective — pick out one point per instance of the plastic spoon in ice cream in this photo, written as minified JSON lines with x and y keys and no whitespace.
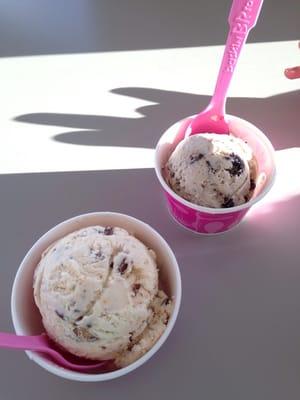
{"x":41,"y":343}
{"x":243,"y":16}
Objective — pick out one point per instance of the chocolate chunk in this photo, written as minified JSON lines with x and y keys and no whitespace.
{"x":210,"y":167}
{"x":108,"y":230}
{"x":136,"y":288}
{"x":130,"y":344}
{"x":123,"y":266}
{"x":228,"y":202}
{"x":166,"y":321}
{"x":165,"y":301}
{"x":79,"y":318}
{"x":252,"y":184}
{"x":111,"y":265}
{"x":238,"y":165}
{"x":89,"y":325}
{"x":195,"y":157}
{"x":99,"y":255}
{"x":103,"y":347}
{"x":59,"y":314}
{"x":172,"y":174}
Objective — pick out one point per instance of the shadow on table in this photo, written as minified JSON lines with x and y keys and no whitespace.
{"x":277,"y":115}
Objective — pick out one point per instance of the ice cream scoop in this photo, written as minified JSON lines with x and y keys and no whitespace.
{"x":212,"y":170}
{"x":97,"y":290}
{"x":242,"y":18}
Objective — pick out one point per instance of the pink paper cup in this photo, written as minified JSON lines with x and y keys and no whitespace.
{"x":205,"y":220}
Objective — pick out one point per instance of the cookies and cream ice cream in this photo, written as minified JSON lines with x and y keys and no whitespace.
{"x":212,"y":170}
{"x":98,"y":292}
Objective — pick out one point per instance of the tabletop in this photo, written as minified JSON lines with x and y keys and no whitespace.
{"x":87,"y":88}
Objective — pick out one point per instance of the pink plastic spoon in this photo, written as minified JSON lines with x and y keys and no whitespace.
{"x":42,"y":343}
{"x":243,"y":16}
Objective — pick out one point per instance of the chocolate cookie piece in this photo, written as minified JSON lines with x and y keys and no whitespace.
{"x":195,"y":157}
{"x":238,"y":165}
{"x":228,"y":202}
{"x":123,"y":266}
{"x":108,"y":230}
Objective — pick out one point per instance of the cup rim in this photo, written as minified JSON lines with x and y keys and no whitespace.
{"x":80,"y":376}
{"x":210,"y":210}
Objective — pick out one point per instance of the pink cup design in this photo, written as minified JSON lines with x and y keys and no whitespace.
{"x":207,"y":220}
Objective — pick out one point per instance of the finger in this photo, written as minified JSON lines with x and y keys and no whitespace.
{"x":292,"y":73}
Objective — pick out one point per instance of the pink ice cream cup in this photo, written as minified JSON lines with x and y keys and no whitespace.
{"x":205,"y":220}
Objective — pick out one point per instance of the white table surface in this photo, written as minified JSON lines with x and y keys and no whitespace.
{"x":86,"y":91}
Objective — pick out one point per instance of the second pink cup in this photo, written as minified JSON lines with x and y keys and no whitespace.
{"x":206,"y":220}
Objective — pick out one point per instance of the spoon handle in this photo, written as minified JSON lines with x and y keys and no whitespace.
{"x":242,"y":18}
{"x":12,"y":341}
